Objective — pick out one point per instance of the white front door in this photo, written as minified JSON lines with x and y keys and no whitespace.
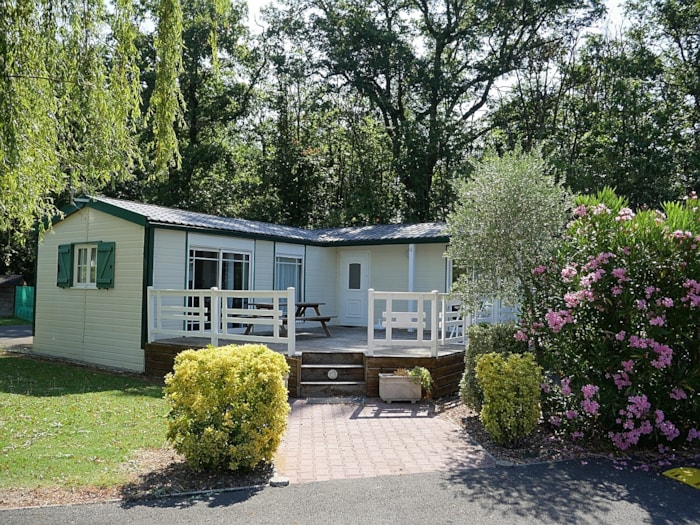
{"x":354,"y":283}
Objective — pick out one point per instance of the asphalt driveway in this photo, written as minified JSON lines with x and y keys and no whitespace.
{"x":565,"y":492}
{"x":14,"y":335}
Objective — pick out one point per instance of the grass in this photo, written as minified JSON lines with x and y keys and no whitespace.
{"x":71,"y":426}
{"x":10,"y":321}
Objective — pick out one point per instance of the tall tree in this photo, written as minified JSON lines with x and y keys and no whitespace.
{"x":428,"y":68}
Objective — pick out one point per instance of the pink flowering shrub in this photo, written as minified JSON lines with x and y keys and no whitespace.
{"x":614,"y":319}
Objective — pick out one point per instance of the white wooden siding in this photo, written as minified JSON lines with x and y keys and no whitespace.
{"x":169,"y":259}
{"x":264,"y":265}
{"x":101,"y":327}
{"x":321,"y":279}
{"x":431,"y":266}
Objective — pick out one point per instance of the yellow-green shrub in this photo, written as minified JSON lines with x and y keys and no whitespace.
{"x":483,"y":339}
{"x":228,"y":406}
{"x":511,"y":388}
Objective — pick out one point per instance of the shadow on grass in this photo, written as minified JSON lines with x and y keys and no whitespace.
{"x":577,"y":492}
{"x":178,"y":486}
{"x":40,"y":377}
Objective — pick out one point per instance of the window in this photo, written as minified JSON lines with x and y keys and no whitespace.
{"x":355,"y":276}
{"x":85,"y":275}
{"x":87,"y":265}
{"x":224,"y":270}
{"x":289,"y":272}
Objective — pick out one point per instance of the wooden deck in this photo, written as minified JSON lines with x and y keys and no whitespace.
{"x":345,"y":353}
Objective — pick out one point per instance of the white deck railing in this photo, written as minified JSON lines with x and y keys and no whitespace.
{"x":445,"y":324}
{"x":221,"y":314}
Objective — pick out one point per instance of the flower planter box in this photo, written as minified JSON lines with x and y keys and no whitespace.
{"x":399,"y":388}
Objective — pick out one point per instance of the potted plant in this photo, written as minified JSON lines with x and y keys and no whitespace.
{"x":405,"y":385}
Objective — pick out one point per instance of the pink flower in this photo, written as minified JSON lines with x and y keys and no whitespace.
{"x":678,"y":394}
{"x":539,"y":270}
{"x":638,"y":342}
{"x":565,"y":387}
{"x":666,"y":302}
{"x":590,"y":406}
{"x":622,"y":380}
{"x":650,"y":290}
{"x":620,"y":336}
{"x":557,"y":320}
{"x":589,"y":391}
{"x":545,"y":388}
{"x":616,"y":290}
{"x":659,"y":416}
{"x":627,"y":366}
{"x":580,"y":211}
{"x":620,"y":274}
{"x":599,"y":209}
{"x":665,"y":355}
{"x":555,"y":421}
{"x":693,"y":434}
{"x":657,"y":321}
{"x":576,"y":435}
{"x":568,"y":273}
{"x":669,"y":430}
{"x":641,"y":304}
{"x":520,"y":336}
{"x":639,"y":405}
{"x":571,"y":414}
{"x":625,"y":214}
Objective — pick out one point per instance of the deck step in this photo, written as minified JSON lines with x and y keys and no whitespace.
{"x":332,"y":366}
{"x":331,"y":359}
{"x":331,"y":383}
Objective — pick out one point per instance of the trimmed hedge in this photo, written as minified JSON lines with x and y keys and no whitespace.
{"x":484,"y":339}
{"x":228,"y":406}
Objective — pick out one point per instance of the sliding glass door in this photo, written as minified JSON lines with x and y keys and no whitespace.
{"x":223,"y":269}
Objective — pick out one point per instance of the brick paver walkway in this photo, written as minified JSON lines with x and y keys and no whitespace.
{"x":327,"y":440}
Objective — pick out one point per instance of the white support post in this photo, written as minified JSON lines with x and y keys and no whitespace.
{"x":214,"y":315}
{"x":291,"y":321}
{"x":370,"y":322}
{"x":149,"y":314}
{"x":434,"y":323}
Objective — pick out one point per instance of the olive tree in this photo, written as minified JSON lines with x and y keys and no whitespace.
{"x":507,"y":220}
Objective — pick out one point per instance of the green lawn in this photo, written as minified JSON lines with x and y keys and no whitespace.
{"x":70,"y":426}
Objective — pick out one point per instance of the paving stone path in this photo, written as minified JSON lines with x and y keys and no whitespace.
{"x":341,"y":440}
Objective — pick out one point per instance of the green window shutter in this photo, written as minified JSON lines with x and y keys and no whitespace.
{"x":64,"y":278}
{"x":105,"y":265}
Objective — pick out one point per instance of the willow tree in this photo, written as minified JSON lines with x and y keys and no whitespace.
{"x":70,"y":99}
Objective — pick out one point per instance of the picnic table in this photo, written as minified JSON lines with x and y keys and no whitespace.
{"x":300,"y":314}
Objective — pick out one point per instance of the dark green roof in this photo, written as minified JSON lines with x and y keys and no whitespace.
{"x":172,"y":217}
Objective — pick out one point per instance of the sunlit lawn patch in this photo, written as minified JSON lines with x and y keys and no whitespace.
{"x":66,"y":425}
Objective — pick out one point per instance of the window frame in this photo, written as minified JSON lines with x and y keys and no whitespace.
{"x":86,"y":269}
{"x":86,"y":265}
{"x":298,"y":263}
